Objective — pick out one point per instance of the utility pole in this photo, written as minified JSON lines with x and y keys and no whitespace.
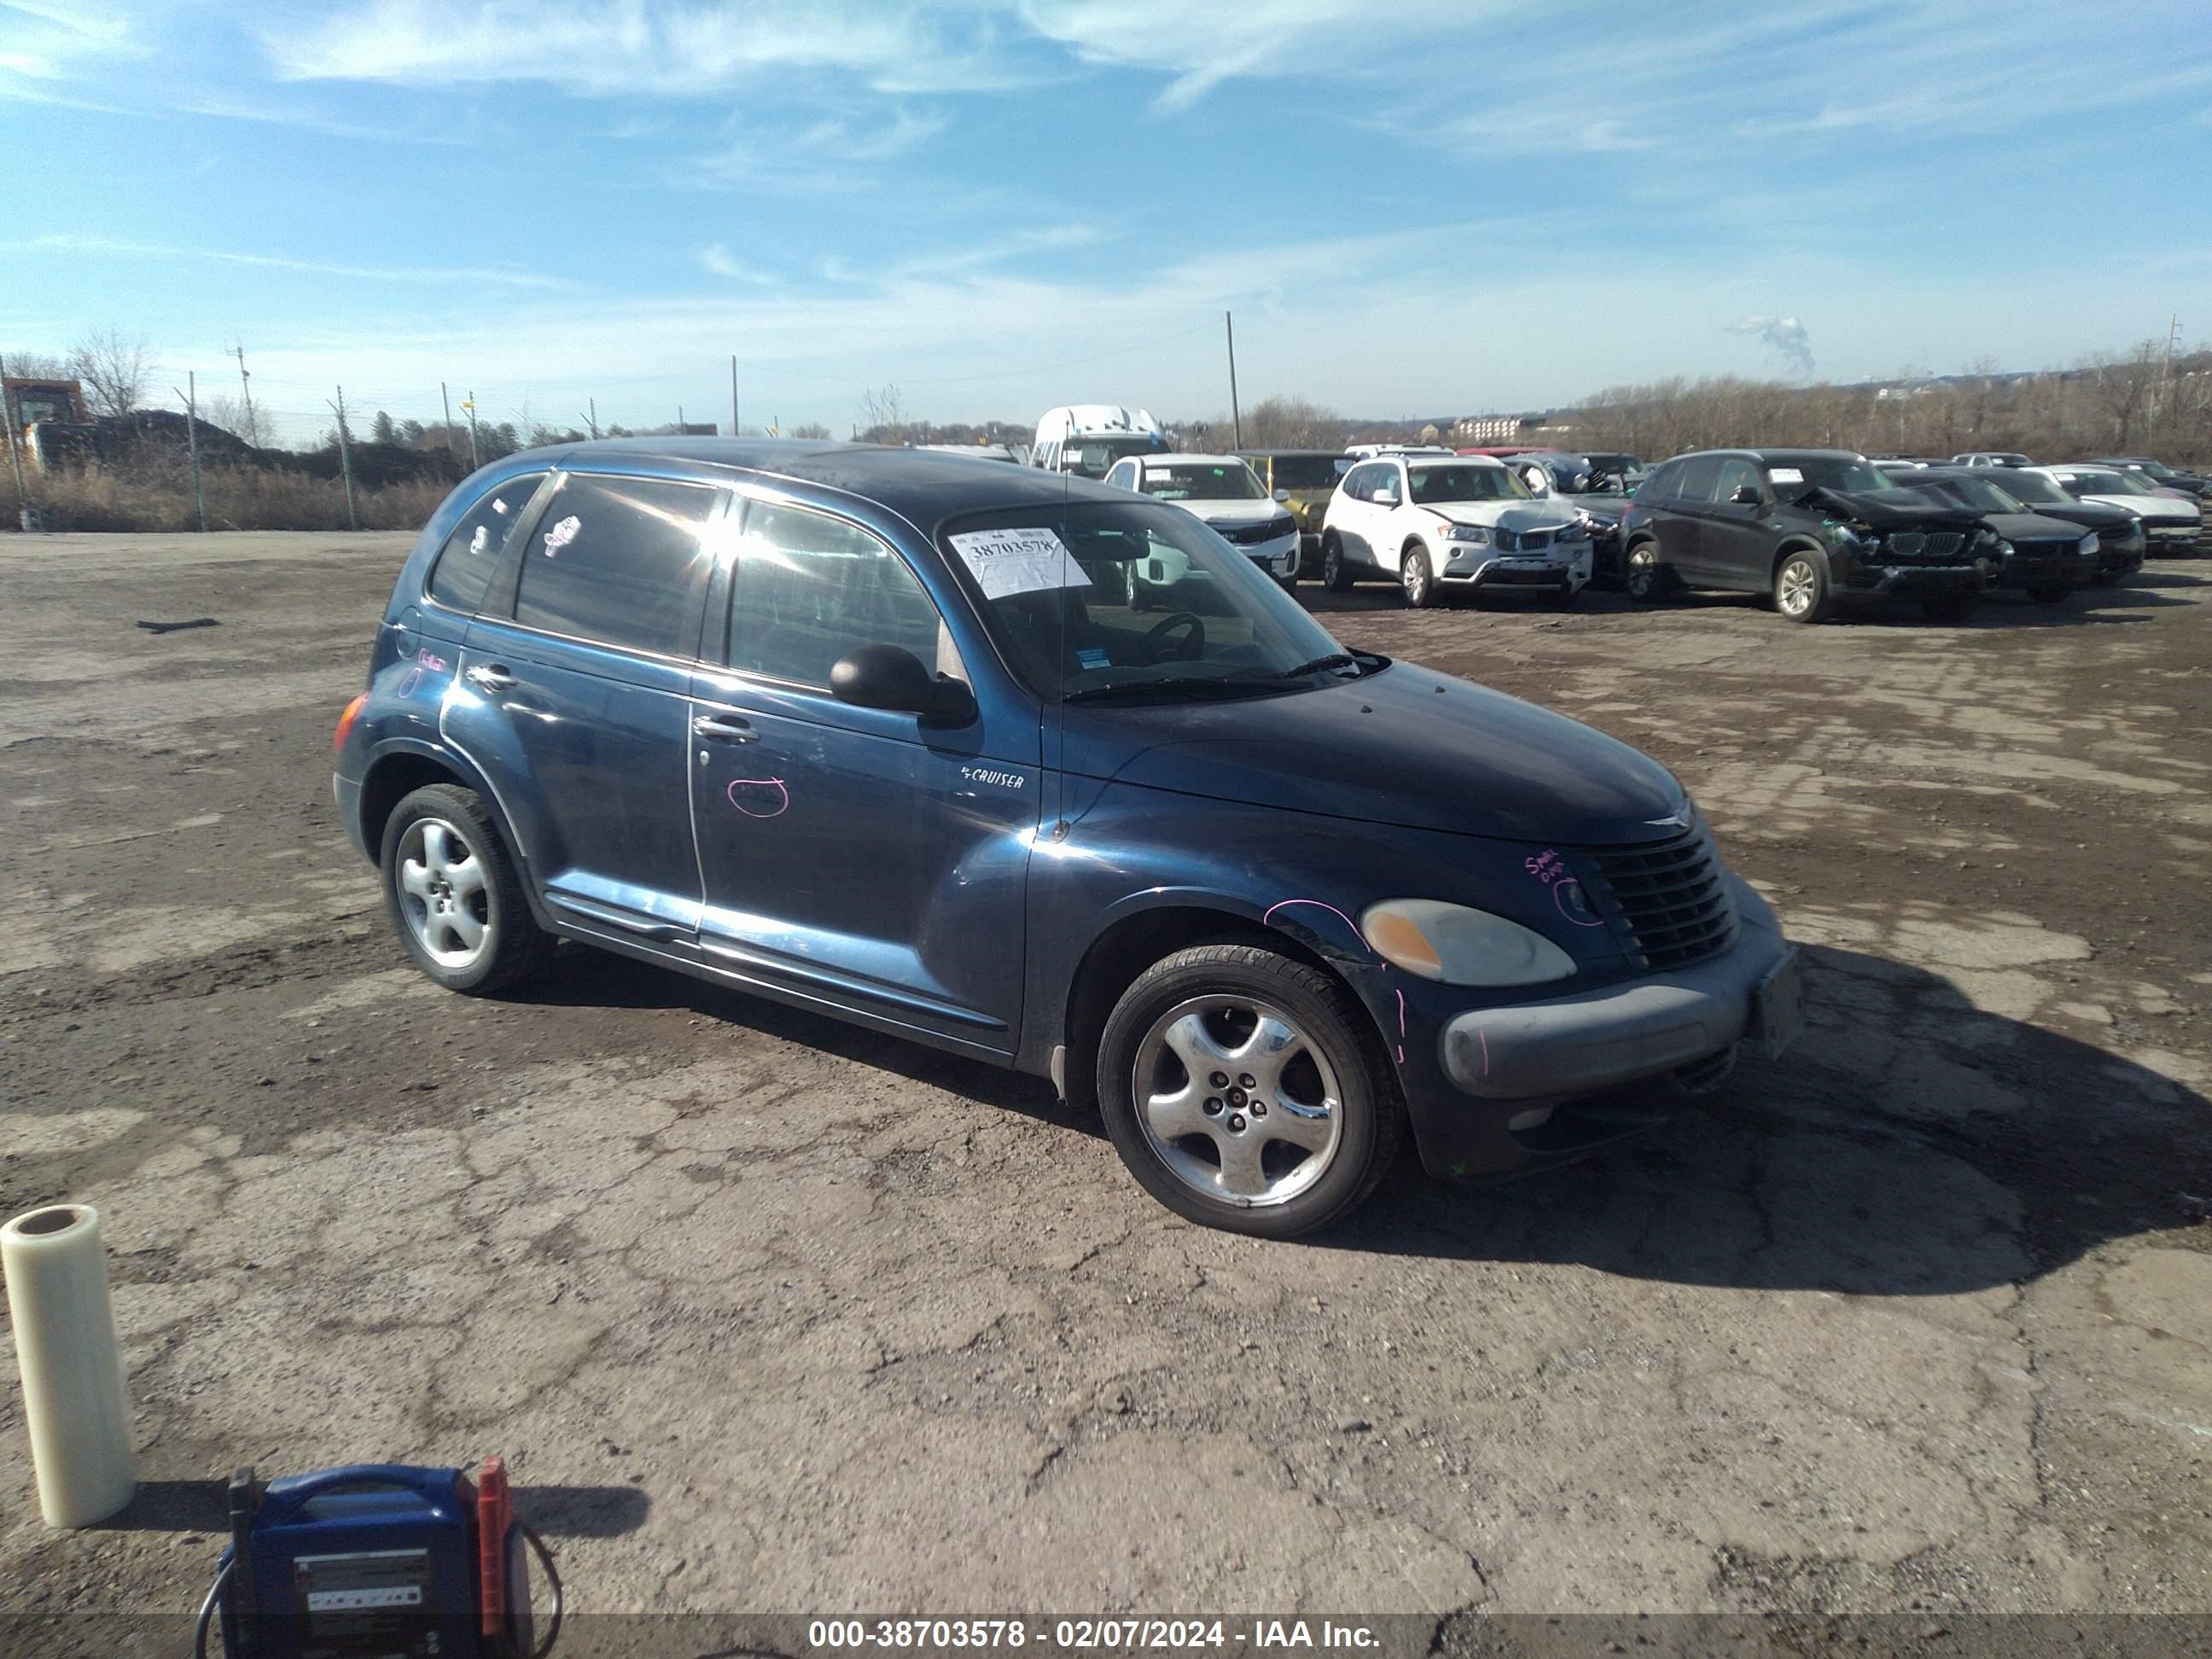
{"x":345,"y":460}
{"x":1235,"y":419}
{"x":2166,"y":369}
{"x":245,"y":391}
{"x":191,"y":397}
{"x":25,"y":517}
{"x":735,"y":431}
{"x":592,"y":420}
{"x":446,"y":403}
{"x":469,"y":407}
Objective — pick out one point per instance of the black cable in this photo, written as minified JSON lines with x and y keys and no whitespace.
{"x":553,"y":1578}
{"x":207,"y":1611}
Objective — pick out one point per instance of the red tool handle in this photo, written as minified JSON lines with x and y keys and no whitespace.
{"x":494,"y":1516}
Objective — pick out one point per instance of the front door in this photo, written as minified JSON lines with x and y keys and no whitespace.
{"x":576,"y":705}
{"x":856,"y":856}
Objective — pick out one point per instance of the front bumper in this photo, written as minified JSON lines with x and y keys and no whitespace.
{"x":2123,"y":559}
{"x":345,"y":793}
{"x":2071,"y":569}
{"x":1278,"y":558}
{"x":2170,"y":535}
{"x":1518,"y":1080}
{"x":1872,"y":577}
{"x":1545,"y":571}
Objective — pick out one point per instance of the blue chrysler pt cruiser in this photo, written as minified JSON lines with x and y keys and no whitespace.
{"x":889,"y":734}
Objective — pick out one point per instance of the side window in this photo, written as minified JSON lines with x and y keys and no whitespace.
{"x":472,"y":552}
{"x":1699,"y":474}
{"x":1389,"y":490}
{"x":617,"y":561}
{"x":1658,"y":484}
{"x":810,"y":588}
{"x":1354,"y":484}
{"x":1735,"y":475}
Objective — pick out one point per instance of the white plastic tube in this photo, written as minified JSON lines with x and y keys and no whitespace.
{"x":73,"y":1394}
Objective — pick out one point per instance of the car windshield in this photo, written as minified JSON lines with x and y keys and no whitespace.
{"x":1307,"y":472}
{"x":1101,"y":601}
{"x":1981,"y":493}
{"x":1846,"y":473}
{"x":2109,"y":483}
{"x":2035,"y":489}
{"x":1091,"y":458}
{"x":1434,"y":485}
{"x":2158,"y":469}
{"x":1200,"y":481}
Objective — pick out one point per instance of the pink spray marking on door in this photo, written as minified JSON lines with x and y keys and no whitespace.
{"x":763,"y":798}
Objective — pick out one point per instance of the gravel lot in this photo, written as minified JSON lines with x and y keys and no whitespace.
{"x":771,"y":1314}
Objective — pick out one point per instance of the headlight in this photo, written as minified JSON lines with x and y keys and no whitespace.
{"x":2001,"y":548}
{"x":1457,"y":946}
{"x":1466,"y":532}
{"x":2089,"y":543}
{"x":1577,"y":532}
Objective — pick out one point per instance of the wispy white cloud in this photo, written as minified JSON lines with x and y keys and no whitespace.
{"x":52,"y":39}
{"x":270,"y":113}
{"x":721,"y":262}
{"x":471,"y":274}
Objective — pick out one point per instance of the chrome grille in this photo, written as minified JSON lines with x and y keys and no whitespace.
{"x":1523,"y":541}
{"x":1668,"y":900}
{"x":1925,"y":544}
{"x":1245,"y":535}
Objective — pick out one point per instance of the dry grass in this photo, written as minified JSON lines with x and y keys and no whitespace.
{"x":157,"y":496}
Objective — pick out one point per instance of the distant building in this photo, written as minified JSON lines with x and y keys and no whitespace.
{"x":1485,"y":428}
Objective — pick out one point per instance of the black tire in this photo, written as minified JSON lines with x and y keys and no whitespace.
{"x":1416,"y":577}
{"x":516,"y":949}
{"x":1646,"y":579}
{"x":1801,"y":589}
{"x":2050,"y":594}
{"x":1950,"y":607}
{"x":1335,"y":574}
{"x":1327,"y":1015}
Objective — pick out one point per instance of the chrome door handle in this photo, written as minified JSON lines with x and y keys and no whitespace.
{"x":723,"y":728}
{"x":491,"y":677}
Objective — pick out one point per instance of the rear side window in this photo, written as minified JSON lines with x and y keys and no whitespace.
{"x":810,"y":588}
{"x":472,"y":552}
{"x":617,"y":561}
{"x":1696,"y":484}
{"x":1659,"y":485}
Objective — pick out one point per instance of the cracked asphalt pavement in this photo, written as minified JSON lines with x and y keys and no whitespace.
{"x":771,"y":1314}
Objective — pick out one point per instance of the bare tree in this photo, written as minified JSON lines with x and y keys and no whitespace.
{"x":882,"y":416}
{"x":37,"y":366}
{"x":115,"y":370}
{"x":809,"y":429}
{"x":2123,"y":386}
{"x":1285,"y":422}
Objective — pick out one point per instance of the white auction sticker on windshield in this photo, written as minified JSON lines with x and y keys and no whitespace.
{"x":1009,"y":562}
{"x":1785,"y":475}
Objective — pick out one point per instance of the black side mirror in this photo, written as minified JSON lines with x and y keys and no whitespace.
{"x":1746,"y":496}
{"x":886,"y":677}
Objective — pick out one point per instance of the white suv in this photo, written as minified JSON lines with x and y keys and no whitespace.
{"x":1442,"y":522}
{"x":1225,"y":492}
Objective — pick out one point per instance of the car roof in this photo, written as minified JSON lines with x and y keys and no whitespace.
{"x":1420,"y":458}
{"x":1175,"y":457}
{"x":920,"y":485}
{"x":1289,"y":454}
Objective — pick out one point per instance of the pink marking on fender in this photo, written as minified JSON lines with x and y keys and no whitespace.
{"x":1400,"y":995}
{"x":1331,"y":908}
{"x":782,"y":795}
{"x":1559,"y":900}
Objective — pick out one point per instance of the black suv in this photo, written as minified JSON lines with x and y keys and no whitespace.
{"x":1809,"y":526}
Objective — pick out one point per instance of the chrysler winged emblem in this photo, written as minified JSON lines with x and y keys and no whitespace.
{"x":1672,"y":821}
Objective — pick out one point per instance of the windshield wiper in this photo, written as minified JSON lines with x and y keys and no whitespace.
{"x":1233,"y":684}
{"x":1334,"y":659}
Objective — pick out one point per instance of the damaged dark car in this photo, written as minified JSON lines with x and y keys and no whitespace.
{"x":1812,"y":528}
{"x":2046,"y":556}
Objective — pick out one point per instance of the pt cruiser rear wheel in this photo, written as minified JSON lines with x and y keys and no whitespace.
{"x":1247,"y":1090}
{"x":455,"y":896}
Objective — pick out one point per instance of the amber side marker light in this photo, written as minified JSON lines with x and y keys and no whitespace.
{"x":346,"y":719}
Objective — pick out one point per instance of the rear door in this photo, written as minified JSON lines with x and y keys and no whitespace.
{"x":1735,"y":539}
{"x":1349,"y":513}
{"x":855,"y":855}
{"x":574,"y":698}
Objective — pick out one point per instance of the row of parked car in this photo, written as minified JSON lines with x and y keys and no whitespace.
{"x":1813,"y":529}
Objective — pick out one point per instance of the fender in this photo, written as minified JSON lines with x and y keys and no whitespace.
{"x":457,"y":761}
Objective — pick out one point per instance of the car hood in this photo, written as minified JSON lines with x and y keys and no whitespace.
{"x":2032,"y":527}
{"x":1892,"y":509}
{"x":2165,"y":508}
{"x":2089,"y":515}
{"x":1405,"y":746}
{"x":1232,"y":512}
{"x":1505,"y":515}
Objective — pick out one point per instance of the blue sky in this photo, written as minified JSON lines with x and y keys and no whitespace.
{"x":1002,"y":204}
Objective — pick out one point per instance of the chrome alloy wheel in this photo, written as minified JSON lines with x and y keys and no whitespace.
{"x":1236,"y":1101}
{"x":442,"y":893}
{"x":1800,"y":585}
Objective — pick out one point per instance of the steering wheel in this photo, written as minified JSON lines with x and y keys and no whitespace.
{"x":1194,"y":642}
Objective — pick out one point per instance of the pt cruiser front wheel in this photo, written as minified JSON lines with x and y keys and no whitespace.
{"x":1248,"y":1091}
